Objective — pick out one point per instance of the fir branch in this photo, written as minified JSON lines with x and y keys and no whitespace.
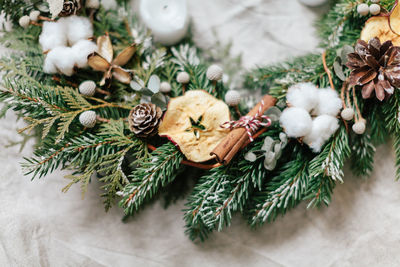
{"x":284,"y":191}
{"x":159,"y":170}
{"x":327,"y":168}
{"x":362,"y":155}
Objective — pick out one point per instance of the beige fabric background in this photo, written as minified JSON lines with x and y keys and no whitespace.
{"x":40,"y":226}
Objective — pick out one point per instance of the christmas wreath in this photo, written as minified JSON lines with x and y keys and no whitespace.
{"x":152,"y":118}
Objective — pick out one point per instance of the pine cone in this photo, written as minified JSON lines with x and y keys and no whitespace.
{"x":144,"y":119}
{"x":70,"y":7}
{"x":376,"y":67}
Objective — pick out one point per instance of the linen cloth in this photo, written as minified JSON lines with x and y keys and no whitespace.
{"x":40,"y":226}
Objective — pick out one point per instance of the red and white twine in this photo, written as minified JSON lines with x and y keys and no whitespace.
{"x":250,"y":123}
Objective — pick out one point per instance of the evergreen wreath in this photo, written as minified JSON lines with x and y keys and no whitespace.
{"x":106,"y":115}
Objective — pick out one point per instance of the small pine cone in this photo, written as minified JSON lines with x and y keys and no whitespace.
{"x":70,"y":7}
{"x":144,"y":119}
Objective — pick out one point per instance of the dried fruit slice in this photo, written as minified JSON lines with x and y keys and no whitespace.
{"x":394,"y":19}
{"x":192,"y":122}
{"x":385,"y":27}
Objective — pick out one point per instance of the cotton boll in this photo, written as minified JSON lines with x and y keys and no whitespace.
{"x":296,"y":122}
{"x":49,"y":66}
{"x":323,"y":127}
{"x":329,"y":103}
{"x":303,"y":95}
{"x":78,"y":28}
{"x":81,"y":50}
{"x":63,"y":60}
{"x":53,"y":35}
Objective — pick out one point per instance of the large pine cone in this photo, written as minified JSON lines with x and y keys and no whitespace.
{"x":70,"y":7}
{"x":376,"y":67}
{"x":144,"y":119}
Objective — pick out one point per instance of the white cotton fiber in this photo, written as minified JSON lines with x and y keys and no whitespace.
{"x":78,"y":28}
{"x":53,"y":35}
{"x":329,"y":103}
{"x":303,"y":95}
{"x":296,"y":122}
{"x":62,"y":59}
{"x":323,"y":127}
{"x":81,"y":50}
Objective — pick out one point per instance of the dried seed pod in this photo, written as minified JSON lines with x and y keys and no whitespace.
{"x":214,"y":73}
{"x":24,"y":22}
{"x":183,"y":77}
{"x":232,"y":98}
{"x":347,"y":114}
{"x":165,"y":87}
{"x":34,"y":15}
{"x":88,"y":118}
{"x":87,"y":88}
{"x":359,"y":127}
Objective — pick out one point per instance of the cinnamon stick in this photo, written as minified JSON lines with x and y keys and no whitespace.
{"x":234,"y":141}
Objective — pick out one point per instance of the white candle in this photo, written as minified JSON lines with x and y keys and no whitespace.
{"x":313,"y":3}
{"x":167,"y":19}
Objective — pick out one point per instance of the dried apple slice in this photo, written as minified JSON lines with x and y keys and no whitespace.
{"x":192,"y":122}
{"x":394,"y":19}
{"x":379,"y":27}
{"x":385,"y":27}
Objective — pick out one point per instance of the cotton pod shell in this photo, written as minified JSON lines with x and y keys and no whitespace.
{"x":374,"y":9}
{"x":88,"y":118}
{"x":303,"y":95}
{"x":296,"y":122}
{"x":87,"y":88}
{"x":214,"y":73}
{"x":183,"y":77}
{"x":363,"y":9}
{"x":165,"y":87}
{"x":359,"y":127}
{"x":95,"y":4}
{"x":347,"y":114}
{"x":34,"y":15}
{"x":232,"y":98}
{"x":24,"y":21}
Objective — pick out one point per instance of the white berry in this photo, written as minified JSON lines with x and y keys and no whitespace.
{"x":232,"y":98}
{"x":347,"y":114}
{"x":87,"y":88}
{"x":359,"y":127}
{"x":95,"y":4}
{"x":374,"y":9}
{"x":363,"y":9}
{"x":88,"y":118}
{"x":24,"y":21}
{"x":214,"y":73}
{"x":375,"y":1}
{"x":34,"y":15}
{"x":183,"y":77}
{"x":165,"y":87}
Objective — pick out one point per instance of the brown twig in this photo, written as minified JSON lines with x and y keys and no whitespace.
{"x":46,"y":18}
{"x":36,"y":23}
{"x":328,"y":72}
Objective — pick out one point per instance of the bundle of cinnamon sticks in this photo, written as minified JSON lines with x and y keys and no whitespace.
{"x":237,"y":138}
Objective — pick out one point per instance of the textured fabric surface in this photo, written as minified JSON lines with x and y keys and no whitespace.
{"x":40,"y":226}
